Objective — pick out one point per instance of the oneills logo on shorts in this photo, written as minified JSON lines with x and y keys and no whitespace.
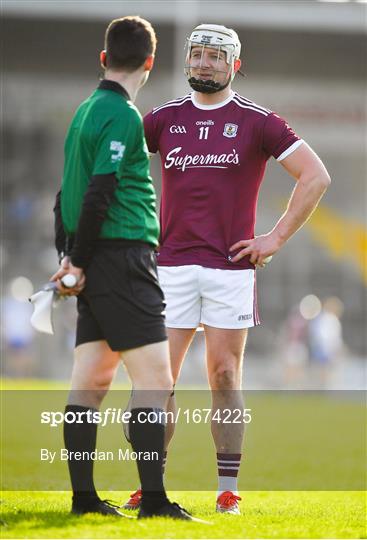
{"x":230,"y":130}
{"x":246,"y":317}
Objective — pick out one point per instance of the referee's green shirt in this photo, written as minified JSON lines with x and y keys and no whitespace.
{"x":106,"y":136}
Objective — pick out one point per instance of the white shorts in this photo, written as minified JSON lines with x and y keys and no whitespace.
{"x":220,"y":298}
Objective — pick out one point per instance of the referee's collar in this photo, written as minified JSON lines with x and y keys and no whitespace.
{"x":106,"y":84}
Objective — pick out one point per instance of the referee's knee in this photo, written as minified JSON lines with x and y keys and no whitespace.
{"x":166,"y":383}
{"x":155,"y":381}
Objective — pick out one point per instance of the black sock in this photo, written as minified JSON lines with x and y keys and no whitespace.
{"x":81,"y":437}
{"x":164,"y":461}
{"x":149,"y":437}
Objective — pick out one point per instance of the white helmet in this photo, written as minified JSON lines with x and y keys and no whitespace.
{"x":217,"y":36}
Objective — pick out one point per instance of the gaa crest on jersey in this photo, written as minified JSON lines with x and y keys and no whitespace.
{"x":177,"y":129}
{"x":230,"y":130}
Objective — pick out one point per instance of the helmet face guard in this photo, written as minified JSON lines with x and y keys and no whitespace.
{"x":207,"y":86}
{"x":221,"y":39}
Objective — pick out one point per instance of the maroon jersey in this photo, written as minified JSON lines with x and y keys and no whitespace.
{"x":213,"y":162}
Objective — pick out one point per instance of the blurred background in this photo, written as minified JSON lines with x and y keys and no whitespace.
{"x":304,"y":60}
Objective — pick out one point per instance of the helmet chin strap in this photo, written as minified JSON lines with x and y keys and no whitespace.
{"x":207,"y":87}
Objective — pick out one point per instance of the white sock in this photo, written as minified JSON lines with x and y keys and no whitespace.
{"x":227,"y":483}
{"x":228,"y":467}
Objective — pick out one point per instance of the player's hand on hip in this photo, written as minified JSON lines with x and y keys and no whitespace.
{"x":260,"y":249}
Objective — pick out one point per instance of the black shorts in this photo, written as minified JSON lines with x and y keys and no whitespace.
{"x":122,"y":302}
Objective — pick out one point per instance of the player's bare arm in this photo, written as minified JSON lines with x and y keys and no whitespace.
{"x":312,"y":181}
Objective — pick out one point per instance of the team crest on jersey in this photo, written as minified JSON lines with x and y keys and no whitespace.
{"x":230,"y":130}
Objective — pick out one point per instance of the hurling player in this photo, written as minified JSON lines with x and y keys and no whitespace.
{"x":214,"y":145}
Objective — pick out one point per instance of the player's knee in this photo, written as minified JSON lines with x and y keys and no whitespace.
{"x":224,"y":378}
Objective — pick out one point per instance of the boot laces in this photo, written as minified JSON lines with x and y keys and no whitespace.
{"x":228,"y":499}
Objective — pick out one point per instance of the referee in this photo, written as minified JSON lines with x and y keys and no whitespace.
{"x":106,"y":231}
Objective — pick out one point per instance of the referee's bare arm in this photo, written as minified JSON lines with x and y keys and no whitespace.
{"x":312,"y":181}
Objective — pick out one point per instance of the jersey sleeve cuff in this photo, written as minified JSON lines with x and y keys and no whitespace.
{"x":290,"y":150}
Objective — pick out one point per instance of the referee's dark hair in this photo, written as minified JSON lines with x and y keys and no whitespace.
{"x":128,"y":43}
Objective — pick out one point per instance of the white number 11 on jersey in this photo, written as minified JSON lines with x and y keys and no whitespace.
{"x":203,"y":132}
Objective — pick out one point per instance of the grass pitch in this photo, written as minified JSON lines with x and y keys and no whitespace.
{"x":264,"y":515}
